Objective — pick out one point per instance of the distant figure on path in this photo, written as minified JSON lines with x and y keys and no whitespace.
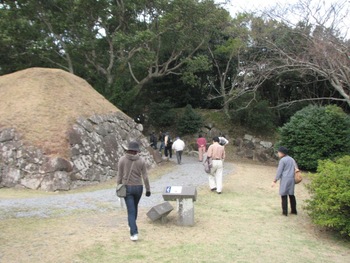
{"x":153,"y":140}
{"x":178,"y":146}
{"x":223,"y":141}
{"x":285,"y":173}
{"x":161,"y":139}
{"x":132,"y":172}
{"x":216,"y":153}
{"x":202,"y":146}
{"x":168,"y":142}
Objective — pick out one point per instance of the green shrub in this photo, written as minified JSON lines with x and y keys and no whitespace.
{"x":329,"y":205}
{"x":261,"y":118}
{"x":316,"y":133}
{"x":161,"y":115}
{"x":257,"y":117}
{"x":190,"y":122}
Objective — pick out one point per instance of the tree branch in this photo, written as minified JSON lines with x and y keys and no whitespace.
{"x":132,"y":73}
{"x":290,"y":103}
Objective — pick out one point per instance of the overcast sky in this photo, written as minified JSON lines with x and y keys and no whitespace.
{"x":236,"y":6}
{"x":247,"y":5}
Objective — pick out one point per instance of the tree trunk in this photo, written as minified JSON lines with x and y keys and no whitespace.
{"x":70,"y":63}
{"x":110,"y":80}
{"x":341,"y":90}
{"x":226,"y":105}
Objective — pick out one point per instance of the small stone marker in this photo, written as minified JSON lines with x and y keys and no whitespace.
{"x":156,"y":155}
{"x":160,"y":211}
{"x":184,"y":196}
{"x":248,"y":137}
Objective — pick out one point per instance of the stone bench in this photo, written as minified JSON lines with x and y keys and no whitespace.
{"x":160,"y":212}
{"x":184,"y":197}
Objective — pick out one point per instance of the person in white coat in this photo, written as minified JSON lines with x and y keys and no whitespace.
{"x":178,"y":146}
{"x":223,"y":140}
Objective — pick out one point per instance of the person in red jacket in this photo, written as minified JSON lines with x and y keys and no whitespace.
{"x":202,"y":146}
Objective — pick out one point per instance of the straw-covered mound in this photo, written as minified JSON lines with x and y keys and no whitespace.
{"x":42,"y":104}
{"x":57,"y":132}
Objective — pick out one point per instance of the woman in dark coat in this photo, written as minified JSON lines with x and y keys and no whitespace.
{"x":285,"y":173}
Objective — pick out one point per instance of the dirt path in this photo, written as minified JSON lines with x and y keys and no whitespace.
{"x":190,"y":173}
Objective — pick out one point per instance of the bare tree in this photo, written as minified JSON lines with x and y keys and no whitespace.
{"x":158,"y":68}
{"x":324,"y":50}
{"x":234,"y":84}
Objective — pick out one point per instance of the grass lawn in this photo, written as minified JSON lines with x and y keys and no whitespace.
{"x":244,"y":224}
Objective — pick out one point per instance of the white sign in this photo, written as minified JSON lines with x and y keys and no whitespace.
{"x":174,"y":189}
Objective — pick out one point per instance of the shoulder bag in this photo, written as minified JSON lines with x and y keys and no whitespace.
{"x":121,"y":188}
{"x":297,"y":177}
{"x":207,"y":165}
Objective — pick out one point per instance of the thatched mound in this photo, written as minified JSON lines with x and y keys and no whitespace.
{"x":42,"y":104}
{"x":58,"y":133}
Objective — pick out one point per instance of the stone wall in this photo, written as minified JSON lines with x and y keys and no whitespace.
{"x":95,"y":146}
{"x":251,"y":147}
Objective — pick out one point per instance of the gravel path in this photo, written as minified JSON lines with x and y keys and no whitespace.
{"x":190,"y":173}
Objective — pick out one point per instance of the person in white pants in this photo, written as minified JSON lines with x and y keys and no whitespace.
{"x":216,"y":153}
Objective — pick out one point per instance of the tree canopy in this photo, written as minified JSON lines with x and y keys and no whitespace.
{"x":184,"y":51}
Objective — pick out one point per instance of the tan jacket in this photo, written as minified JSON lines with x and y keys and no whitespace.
{"x":138,"y":175}
{"x":216,"y":151}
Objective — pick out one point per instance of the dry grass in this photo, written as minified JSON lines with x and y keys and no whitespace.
{"x":242,"y":225}
{"x":55,"y":239}
{"x":43,"y":103}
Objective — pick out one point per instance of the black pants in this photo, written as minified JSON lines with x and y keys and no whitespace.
{"x":293,"y":204}
{"x":168,"y":151}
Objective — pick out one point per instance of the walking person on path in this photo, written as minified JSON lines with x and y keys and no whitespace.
{"x":161,"y":139}
{"x":132,"y":172}
{"x":223,"y":141}
{"x":178,"y":146}
{"x":216,"y":153}
{"x":168,"y":142}
{"x":285,"y":173}
{"x":153,"y":140}
{"x":202,"y":146}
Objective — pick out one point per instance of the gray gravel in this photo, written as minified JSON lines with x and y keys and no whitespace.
{"x":190,"y":173}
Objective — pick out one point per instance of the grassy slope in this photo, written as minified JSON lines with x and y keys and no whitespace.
{"x":215,"y":117}
{"x":219,"y":119}
{"x":224,"y":123}
{"x":242,"y":225}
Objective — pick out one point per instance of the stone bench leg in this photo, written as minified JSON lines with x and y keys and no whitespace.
{"x":185,"y":209}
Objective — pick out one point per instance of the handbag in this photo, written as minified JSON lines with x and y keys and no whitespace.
{"x":207,"y":165}
{"x":297,"y":177}
{"x":121,"y":188}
